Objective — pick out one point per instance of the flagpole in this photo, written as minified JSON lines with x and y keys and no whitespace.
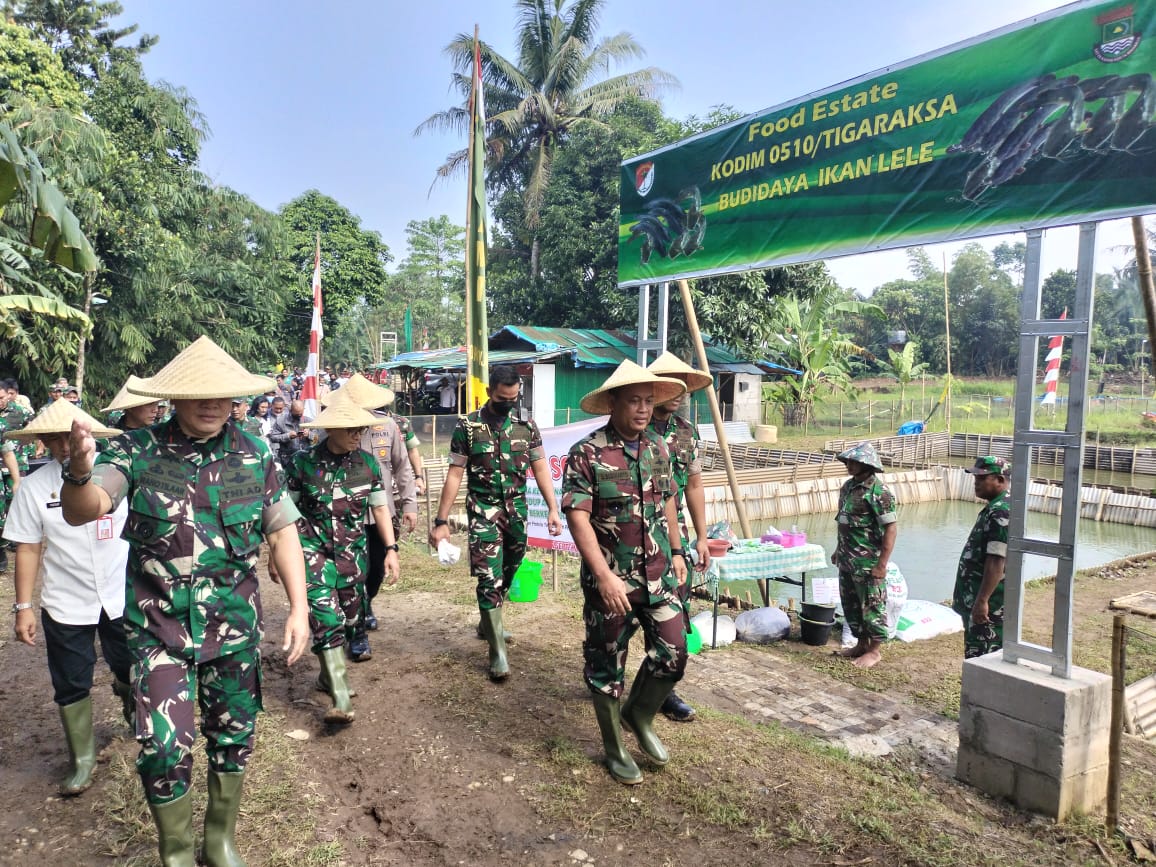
{"x":477,"y":356}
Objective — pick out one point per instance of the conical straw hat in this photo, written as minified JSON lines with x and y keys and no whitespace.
{"x":597,"y":402}
{"x":342,"y":412}
{"x":58,"y":417}
{"x":125,"y":399}
{"x":201,"y":371}
{"x":363,"y":393}
{"x":670,"y":365}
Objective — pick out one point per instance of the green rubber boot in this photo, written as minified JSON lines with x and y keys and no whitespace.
{"x":647,"y":694}
{"x":221,"y":820}
{"x":495,"y":636}
{"x":174,"y":821}
{"x":333,"y":676}
{"x":127,"y":703}
{"x":77,"y":721}
{"x":482,"y":633}
{"x":618,"y":761}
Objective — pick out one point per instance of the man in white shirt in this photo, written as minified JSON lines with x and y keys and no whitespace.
{"x":83,"y":593}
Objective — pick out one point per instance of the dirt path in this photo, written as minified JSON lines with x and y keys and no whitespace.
{"x":444,"y":768}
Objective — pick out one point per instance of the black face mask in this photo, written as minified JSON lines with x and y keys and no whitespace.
{"x":503,"y":407}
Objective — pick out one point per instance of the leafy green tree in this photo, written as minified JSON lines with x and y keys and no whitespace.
{"x":431,"y":281}
{"x":29,"y":69}
{"x":353,"y":263}
{"x":535,"y":101}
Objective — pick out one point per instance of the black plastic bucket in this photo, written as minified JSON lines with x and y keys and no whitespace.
{"x":814,"y":633}
{"x":818,"y":612}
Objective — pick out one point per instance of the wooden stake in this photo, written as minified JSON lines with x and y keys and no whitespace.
{"x":1115,"y":736}
{"x":554,"y":568}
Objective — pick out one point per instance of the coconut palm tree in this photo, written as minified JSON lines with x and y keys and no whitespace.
{"x":556,"y":83}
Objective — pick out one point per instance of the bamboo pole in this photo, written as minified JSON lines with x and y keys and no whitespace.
{"x":554,"y":568}
{"x":1115,"y":736}
{"x":1144,"y":278}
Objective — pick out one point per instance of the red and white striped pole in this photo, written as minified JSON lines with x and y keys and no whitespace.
{"x":1052,"y":370}
{"x":309,"y":389}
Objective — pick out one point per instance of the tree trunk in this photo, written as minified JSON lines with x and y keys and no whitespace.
{"x":535,"y":256}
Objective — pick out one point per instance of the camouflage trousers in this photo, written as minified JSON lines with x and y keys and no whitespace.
{"x":662,"y":618}
{"x":980,"y":638}
{"x":336,"y":607}
{"x":864,"y":602}
{"x":497,"y":546}
{"x":229,"y":693}
{"x":5,"y":502}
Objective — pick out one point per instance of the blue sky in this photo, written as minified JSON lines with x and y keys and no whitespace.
{"x":301,"y":95}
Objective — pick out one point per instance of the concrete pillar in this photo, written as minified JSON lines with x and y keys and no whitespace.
{"x":1038,"y":740}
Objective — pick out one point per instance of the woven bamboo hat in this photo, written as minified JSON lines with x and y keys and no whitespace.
{"x":363,"y":393}
{"x":201,"y":371}
{"x":125,"y":399}
{"x":597,"y":402}
{"x":342,"y":412}
{"x":671,"y":366}
{"x":58,"y":417}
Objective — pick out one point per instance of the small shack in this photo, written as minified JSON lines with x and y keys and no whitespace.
{"x":560,"y":365}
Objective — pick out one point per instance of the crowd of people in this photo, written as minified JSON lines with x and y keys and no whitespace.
{"x":148,"y":536}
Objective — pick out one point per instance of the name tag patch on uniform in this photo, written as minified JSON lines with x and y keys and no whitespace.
{"x":241,"y":486}
{"x":103,"y":528}
{"x":165,"y":478}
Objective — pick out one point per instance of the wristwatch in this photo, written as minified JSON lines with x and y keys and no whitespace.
{"x":20,"y":606}
{"x":67,"y":476}
{"x":678,"y":552}
{"x":393,"y":547}
{"x":441,"y":522}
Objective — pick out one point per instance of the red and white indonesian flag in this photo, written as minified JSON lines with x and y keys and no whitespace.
{"x":309,"y":389}
{"x":1052,"y":368}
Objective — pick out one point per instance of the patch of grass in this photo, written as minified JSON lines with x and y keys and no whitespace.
{"x":277,"y":821}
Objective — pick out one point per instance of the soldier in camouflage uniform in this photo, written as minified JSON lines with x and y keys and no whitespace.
{"x":337,"y":486}
{"x":619,"y":499}
{"x":867,"y":527}
{"x":496,"y":449}
{"x":978,"y":595}
{"x":384,"y":441}
{"x":11,"y":454}
{"x":202,"y":495}
{"x":132,"y":411}
{"x":686,"y":469}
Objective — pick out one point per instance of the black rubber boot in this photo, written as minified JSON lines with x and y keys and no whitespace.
{"x":221,"y":820}
{"x":77,"y":721}
{"x":333,"y":675}
{"x":127,"y":703}
{"x":174,"y":822}
{"x":495,"y":636}
{"x":647,"y":694}
{"x":618,"y":761}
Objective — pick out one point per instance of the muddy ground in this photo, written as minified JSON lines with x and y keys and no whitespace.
{"x":444,"y":768}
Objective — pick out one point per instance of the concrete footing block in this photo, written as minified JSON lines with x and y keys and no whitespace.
{"x":1039,"y":740}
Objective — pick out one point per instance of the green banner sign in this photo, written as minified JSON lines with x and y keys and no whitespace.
{"x":1046,"y":122}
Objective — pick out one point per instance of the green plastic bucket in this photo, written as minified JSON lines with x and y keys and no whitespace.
{"x":527,"y":581}
{"x":693,"y":640}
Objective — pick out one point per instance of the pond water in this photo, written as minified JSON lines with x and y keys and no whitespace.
{"x":931,"y":537}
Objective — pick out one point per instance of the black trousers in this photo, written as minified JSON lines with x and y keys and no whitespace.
{"x":375,"y":573}
{"x":72,"y":655}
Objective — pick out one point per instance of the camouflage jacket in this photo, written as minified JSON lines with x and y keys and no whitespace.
{"x":626,"y":498}
{"x":17,"y":417}
{"x":988,"y":536}
{"x":384,"y":441}
{"x":682,"y":442}
{"x":335,"y":494}
{"x":865,"y":510}
{"x":497,"y":454}
{"x":198,"y":511}
{"x":408,"y":437}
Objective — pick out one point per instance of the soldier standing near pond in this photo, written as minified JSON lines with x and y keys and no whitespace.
{"x":867,"y":529}
{"x":978,"y":596}
{"x":496,"y":448}
{"x":202,"y":494}
{"x":618,"y":495}
{"x":686,"y":470}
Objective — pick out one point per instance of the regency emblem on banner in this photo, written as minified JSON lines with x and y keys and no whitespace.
{"x":1117,"y":36}
{"x":644,"y":178}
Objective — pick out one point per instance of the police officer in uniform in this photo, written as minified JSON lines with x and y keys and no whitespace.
{"x":202,"y":496}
